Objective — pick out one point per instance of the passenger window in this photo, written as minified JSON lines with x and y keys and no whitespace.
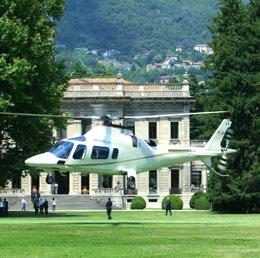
{"x":115,"y":153}
{"x":80,"y":152}
{"x":99,"y":152}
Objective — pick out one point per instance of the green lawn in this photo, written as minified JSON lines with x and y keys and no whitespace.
{"x":130,"y":234}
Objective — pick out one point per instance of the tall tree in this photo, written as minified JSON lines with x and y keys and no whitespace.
{"x":78,"y":70}
{"x":30,"y":79}
{"x":235,"y":87}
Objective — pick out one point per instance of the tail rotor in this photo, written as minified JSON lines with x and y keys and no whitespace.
{"x":224,"y":159}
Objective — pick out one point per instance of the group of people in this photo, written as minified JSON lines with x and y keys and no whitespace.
{"x":39,"y":204}
{"x":3,"y":207}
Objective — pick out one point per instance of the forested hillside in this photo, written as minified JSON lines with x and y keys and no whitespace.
{"x":134,"y":26}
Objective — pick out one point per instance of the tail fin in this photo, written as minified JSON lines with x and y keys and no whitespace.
{"x":215,"y":141}
{"x":214,"y":145}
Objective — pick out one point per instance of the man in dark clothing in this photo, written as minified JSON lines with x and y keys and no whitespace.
{"x":109,"y":208}
{"x":41,"y":204}
{"x":5,"y":207}
{"x":168,"y":206}
{"x":36,"y":206}
{"x":46,"y":206}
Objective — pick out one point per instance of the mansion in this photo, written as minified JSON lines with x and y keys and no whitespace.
{"x":119,"y":97}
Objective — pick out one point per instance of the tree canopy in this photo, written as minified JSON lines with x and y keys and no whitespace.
{"x":234,"y":86}
{"x":30,"y":79}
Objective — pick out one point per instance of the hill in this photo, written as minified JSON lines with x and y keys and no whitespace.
{"x":134,"y":26}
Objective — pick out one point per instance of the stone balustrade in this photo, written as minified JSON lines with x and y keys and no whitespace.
{"x":12,"y":192}
{"x":106,"y":191}
{"x":126,"y":90}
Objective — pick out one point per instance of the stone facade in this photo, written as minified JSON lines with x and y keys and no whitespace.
{"x":118,"y":97}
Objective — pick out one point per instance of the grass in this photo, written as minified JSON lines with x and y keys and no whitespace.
{"x":130,"y":234}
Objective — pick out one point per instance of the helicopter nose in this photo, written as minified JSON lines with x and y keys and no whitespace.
{"x":41,"y":160}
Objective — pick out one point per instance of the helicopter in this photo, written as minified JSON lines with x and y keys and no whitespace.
{"x":111,"y":149}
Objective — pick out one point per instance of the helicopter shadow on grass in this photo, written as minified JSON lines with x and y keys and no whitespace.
{"x":31,"y":214}
{"x":106,"y":223}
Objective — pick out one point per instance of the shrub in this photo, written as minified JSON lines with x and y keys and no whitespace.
{"x":177,"y":203}
{"x":138,"y":203}
{"x":194,"y":198}
{"x":202,"y":203}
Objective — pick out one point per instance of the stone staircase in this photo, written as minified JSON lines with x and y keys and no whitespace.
{"x":69,"y":202}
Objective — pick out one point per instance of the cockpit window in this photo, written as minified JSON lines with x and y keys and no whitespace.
{"x":62,"y":149}
{"x":99,"y":152}
{"x":80,"y":152}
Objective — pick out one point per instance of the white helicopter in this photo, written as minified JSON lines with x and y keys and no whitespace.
{"x":110,"y":149}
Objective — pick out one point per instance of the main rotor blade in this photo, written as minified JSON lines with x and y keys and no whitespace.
{"x":50,"y":116}
{"x":108,"y":117}
{"x":175,"y":115}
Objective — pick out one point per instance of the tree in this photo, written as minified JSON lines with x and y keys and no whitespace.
{"x":103,"y":71}
{"x":201,"y":94}
{"x":234,"y":86}
{"x":30,"y":78}
{"x":79,"y":71}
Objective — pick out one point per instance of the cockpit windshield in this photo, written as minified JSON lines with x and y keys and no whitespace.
{"x":62,"y":149}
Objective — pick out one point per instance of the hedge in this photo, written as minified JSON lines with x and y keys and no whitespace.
{"x":176,"y":201}
{"x":138,"y":203}
{"x":194,"y":198}
{"x":202,"y":203}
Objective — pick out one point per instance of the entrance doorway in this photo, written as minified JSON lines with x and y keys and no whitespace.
{"x":85,"y":184}
{"x":175,"y":178}
{"x":35,"y":182}
{"x":63,"y":182}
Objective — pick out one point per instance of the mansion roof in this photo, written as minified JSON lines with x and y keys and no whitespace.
{"x":100,"y":88}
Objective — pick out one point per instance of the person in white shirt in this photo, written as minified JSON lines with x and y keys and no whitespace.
{"x":23,"y":204}
{"x":54,"y":203}
{"x":56,"y":186}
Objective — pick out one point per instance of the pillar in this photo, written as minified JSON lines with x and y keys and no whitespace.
{"x":204,"y":177}
{"x":26,"y":183}
{"x":185,"y":85}
{"x":186,"y":174}
{"x":164,"y":181}
{"x":117,"y":178}
{"x":73,"y":128}
{"x":44,"y":188}
{"x":75,"y":183}
{"x":93,"y":183}
{"x":143,"y":183}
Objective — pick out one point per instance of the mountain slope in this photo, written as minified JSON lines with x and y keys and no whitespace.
{"x":132,"y":26}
